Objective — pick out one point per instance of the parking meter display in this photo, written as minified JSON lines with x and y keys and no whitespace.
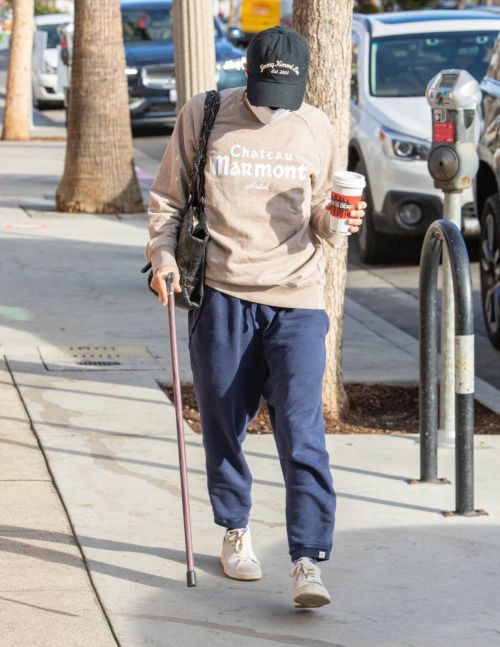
{"x":346,"y":194}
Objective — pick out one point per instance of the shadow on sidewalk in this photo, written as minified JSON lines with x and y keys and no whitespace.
{"x":174,"y":468}
{"x":425,"y":585}
{"x":10,"y":537}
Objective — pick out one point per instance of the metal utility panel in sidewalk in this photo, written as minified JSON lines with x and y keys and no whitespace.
{"x":97,"y":358}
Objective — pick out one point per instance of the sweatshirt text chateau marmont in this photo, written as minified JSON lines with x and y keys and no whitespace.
{"x":267,"y":187}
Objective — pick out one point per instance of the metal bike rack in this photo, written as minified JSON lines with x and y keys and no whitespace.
{"x":444,"y":232}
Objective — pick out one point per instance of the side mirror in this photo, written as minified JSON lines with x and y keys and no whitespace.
{"x":235,"y":35}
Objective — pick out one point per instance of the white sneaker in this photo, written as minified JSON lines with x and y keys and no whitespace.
{"x":237,"y":558}
{"x":308,"y":589}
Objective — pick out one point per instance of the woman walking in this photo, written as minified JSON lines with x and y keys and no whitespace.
{"x":261,"y":327}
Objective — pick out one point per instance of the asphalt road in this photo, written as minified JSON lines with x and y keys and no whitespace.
{"x":389,"y":291}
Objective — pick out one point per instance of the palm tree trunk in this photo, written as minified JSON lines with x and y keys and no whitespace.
{"x":327,"y":25}
{"x":16,"y":118}
{"x":194,"y":48}
{"x":99,"y":174}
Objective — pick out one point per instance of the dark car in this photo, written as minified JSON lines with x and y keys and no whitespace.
{"x":149,"y":52}
{"x":488,"y":198}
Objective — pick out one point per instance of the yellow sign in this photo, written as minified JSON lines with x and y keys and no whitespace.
{"x":257,"y":15}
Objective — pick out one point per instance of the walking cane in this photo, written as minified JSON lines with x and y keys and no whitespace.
{"x":191,"y":575}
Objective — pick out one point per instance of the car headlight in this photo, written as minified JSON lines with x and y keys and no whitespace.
{"x":232,"y":64}
{"x":403,"y":147}
{"x":48,"y":69}
{"x":131,"y":71}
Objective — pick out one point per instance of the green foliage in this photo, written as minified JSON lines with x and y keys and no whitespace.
{"x":45,"y":6}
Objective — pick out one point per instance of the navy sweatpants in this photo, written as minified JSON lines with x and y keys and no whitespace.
{"x":239,"y":352}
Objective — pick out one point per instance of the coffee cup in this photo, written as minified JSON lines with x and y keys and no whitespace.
{"x":346,"y":194}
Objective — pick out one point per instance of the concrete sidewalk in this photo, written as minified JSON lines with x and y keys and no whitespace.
{"x":108,"y":437}
{"x":46,"y":596}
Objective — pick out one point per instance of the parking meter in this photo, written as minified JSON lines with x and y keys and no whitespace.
{"x":454,"y":96}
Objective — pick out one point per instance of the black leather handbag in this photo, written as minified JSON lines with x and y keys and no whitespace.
{"x":192,"y":237}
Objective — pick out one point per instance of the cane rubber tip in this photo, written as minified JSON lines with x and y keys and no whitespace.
{"x":191,"y":578}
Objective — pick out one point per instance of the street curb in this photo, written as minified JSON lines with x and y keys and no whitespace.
{"x":485,"y":393}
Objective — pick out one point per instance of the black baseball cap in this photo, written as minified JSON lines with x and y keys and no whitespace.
{"x":278,"y":62}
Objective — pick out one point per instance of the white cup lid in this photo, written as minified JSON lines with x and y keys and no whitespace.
{"x":349,"y":180}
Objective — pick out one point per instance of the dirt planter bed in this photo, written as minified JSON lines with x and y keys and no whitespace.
{"x":373,"y":409}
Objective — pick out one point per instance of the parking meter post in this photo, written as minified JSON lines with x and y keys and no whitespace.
{"x":445,"y":234}
{"x":464,"y":379}
{"x":428,"y":392}
{"x":446,"y":432}
{"x":453,"y":96}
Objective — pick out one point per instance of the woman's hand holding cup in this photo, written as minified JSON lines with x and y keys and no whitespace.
{"x":357,"y":215}
{"x":346,"y":207}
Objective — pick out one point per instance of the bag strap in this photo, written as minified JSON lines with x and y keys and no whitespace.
{"x":196,"y":191}
{"x":196,"y":188}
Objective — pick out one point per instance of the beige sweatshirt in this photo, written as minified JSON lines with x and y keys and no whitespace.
{"x":266,"y":191}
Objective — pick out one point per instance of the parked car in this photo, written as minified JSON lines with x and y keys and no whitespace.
{"x":488,"y":198}
{"x":149,"y":54}
{"x":394,"y":56}
{"x":45,"y":91}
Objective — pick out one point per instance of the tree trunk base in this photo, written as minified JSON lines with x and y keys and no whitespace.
{"x":99,"y":171}
{"x":72,"y":199}
{"x":15,"y":135}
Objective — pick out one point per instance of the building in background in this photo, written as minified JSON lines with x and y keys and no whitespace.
{"x":223,"y":8}
{"x":65,"y":6}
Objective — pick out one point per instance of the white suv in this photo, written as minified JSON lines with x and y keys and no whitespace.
{"x":394,"y":56}
{"x":45,"y":62}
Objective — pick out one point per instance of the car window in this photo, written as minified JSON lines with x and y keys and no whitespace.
{"x":52,"y":34}
{"x":402,"y":66}
{"x":354,"y":67}
{"x":494,"y":66}
{"x":150,"y":24}
{"x":147,"y":24}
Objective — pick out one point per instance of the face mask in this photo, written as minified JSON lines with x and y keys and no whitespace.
{"x":267,"y":115}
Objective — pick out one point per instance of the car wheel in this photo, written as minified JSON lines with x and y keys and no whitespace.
{"x":490,"y":267}
{"x":374,"y":247}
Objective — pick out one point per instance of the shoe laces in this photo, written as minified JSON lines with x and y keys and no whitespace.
{"x":306,"y":571}
{"x":236,"y":537}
